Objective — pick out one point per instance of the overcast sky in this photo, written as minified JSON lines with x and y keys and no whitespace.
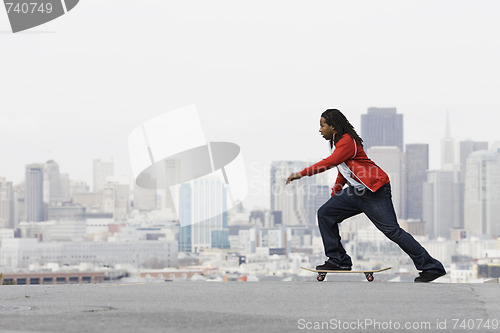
{"x":259,"y":72}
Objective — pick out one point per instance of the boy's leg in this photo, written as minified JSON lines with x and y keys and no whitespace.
{"x":380,"y":210}
{"x":338,"y":208}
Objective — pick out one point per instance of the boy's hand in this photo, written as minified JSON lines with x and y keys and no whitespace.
{"x":293,"y":176}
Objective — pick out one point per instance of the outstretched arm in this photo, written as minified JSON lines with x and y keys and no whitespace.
{"x":344,"y":150}
{"x":293,"y":176}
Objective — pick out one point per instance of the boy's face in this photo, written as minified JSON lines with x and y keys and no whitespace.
{"x":326,"y":130}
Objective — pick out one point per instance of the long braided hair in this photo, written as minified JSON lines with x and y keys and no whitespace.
{"x":335,"y":118}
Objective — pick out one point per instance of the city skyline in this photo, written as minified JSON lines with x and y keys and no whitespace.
{"x":90,"y":182}
{"x":260,"y":76}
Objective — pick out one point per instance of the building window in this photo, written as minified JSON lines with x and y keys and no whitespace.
{"x":8,"y":281}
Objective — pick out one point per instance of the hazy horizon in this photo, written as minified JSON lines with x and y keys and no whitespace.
{"x":259,"y":73}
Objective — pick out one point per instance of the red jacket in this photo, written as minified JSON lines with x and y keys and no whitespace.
{"x":362,"y":168}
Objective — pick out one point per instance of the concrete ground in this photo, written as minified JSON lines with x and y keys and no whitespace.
{"x":251,"y":307}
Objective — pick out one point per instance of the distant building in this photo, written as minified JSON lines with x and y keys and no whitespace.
{"x":414,"y":227}
{"x":466,"y":149}
{"x":52,"y":278}
{"x":55,"y":184}
{"x":19,"y":203}
{"x":441,"y":204}
{"x":6,"y":204}
{"x":290,"y":200}
{"x":66,"y":212}
{"x":382,"y":127}
{"x":101,"y":171}
{"x":482,"y":194}
{"x":116,"y":199}
{"x":185,"y":214}
{"x":47,"y":231}
{"x":21,"y":252}
{"x":448,"y":150}
{"x":390,"y":159}
{"x":34,"y":192}
{"x":195,"y":232}
{"x":90,"y":200}
{"x":77,"y":186}
{"x":416,"y":166}
{"x":316,"y":196}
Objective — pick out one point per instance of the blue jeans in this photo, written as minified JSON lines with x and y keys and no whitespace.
{"x":379,"y":209}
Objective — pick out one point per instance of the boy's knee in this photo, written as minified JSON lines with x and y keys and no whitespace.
{"x":393,"y":234}
{"x":322,"y":212}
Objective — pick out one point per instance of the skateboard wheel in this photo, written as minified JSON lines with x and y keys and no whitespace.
{"x":369,"y":277}
{"x":320,"y":277}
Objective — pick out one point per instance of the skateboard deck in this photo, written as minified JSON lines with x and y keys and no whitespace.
{"x":368,"y":274}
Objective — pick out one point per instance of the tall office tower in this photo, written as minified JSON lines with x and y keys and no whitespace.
{"x":6,"y":204}
{"x":316,"y":196}
{"x":390,"y":159}
{"x":64,"y":182}
{"x":34,"y":193}
{"x":172,"y":174}
{"x":19,"y":203}
{"x":440,"y":201}
{"x":482,"y":190}
{"x":467,"y":147}
{"x":416,"y":166}
{"x":290,"y":200}
{"x":207,"y":233}
{"x":185,"y":214}
{"x":55,"y":184}
{"x":102,"y":170}
{"x":448,"y":149}
{"x":382,"y":127}
{"x":116,"y":199}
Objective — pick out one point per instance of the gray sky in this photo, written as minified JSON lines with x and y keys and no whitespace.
{"x":260,"y":73}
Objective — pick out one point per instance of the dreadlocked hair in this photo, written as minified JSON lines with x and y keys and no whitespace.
{"x":335,"y":118}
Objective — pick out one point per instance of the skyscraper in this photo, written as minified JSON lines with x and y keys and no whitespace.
{"x":290,"y":200}
{"x":390,"y":159}
{"x":440,"y":201}
{"x":34,"y":193}
{"x":467,"y":147}
{"x":482,"y":194}
{"x":416,"y":166}
{"x":207,"y":233}
{"x":382,"y":127}
{"x":316,"y":196}
{"x":101,"y":171}
{"x":448,"y":149}
{"x":116,"y":198}
{"x":55,"y":184}
{"x":185,"y":214}
{"x":6,"y":204}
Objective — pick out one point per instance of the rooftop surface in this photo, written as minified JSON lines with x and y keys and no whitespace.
{"x":342,"y":306}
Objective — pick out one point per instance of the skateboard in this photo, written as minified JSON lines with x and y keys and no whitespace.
{"x":368,"y":274}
